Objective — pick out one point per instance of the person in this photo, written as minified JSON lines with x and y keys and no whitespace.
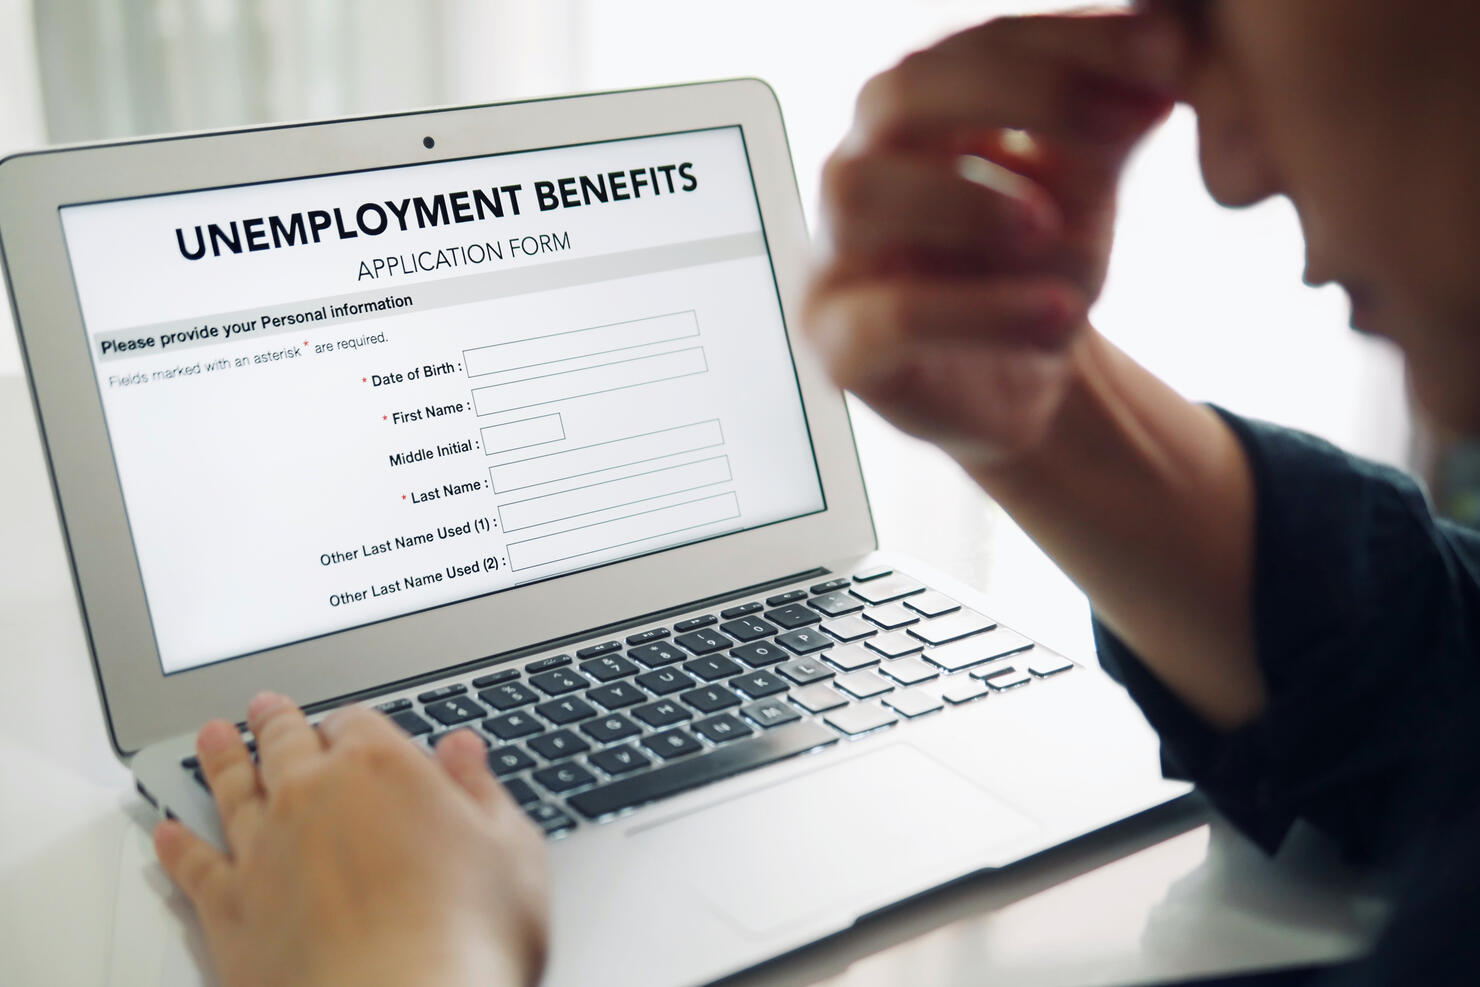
{"x":1295,"y":622}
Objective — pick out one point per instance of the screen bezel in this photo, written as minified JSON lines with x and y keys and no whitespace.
{"x":141,"y":703}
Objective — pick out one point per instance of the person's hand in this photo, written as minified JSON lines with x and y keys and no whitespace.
{"x":969,"y":215}
{"x":357,"y":859}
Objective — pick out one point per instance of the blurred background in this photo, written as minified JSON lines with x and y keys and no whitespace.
{"x":1209,"y":299}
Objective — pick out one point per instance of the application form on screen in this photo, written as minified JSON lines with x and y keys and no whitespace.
{"x":340,"y":399}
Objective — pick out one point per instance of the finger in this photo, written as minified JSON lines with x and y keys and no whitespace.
{"x":199,"y":869}
{"x":352,"y":725}
{"x":232,"y":779}
{"x":889,"y":204}
{"x":285,"y":740}
{"x":864,"y":330}
{"x":1136,"y":51}
{"x":1006,"y":74}
{"x":465,"y":759}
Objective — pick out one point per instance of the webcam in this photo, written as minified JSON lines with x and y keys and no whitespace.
{"x":428,"y":143}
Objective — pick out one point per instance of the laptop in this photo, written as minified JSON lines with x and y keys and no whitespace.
{"x":496,"y":418}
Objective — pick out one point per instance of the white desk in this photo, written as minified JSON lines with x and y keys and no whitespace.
{"x":82,"y":901}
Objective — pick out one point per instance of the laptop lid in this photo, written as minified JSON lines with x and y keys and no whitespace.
{"x":335,"y":405}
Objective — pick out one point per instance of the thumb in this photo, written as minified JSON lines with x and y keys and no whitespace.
{"x":200,"y":870}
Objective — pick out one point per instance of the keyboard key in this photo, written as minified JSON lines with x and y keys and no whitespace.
{"x":870,"y":574}
{"x":758,"y":685}
{"x":411,"y":723}
{"x":863,"y":685}
{"x":647,"y":636}
{"x":1008,"y":678}
{"x":770,"y":713}
{"x":606,"y":729}
{"x":393,"y":706}
{"x":693,"y":623}
{"x":851,"y":628}
{"x":712,"y":667}
{"x":562,"y":778}
{"x":545,"y":664}
{"x":571,"y":709}
{"x":895,"y":644}
{"x":557,"y":745}
{"x":818,"y":698}
{"x":450,"y":712}
{"x":748,"y":629}
{"x":832,"y":585}
{"x":608,"y":667}
{"x":861,"y":718}
{"x":672,"y":743}
{"x":617,"y":695}
{"x":559,"y":682}
{"x":790,"y":596}
{"x":803,"y":642}
{"x":508,"y":759}
{"x":962,"y":689}
{"x":852,"y":657}
{"x":805,"y":671}
{"x":620,"y":760}
{"x":793,"y":615}
{"x":909,"y":671}
{"x":494,"y":678}
{"x":889,"y":588}
{"x":549,"y":818}
{"x":978,"y":650}
{"x":759,"y":654}
{"x":891,"y":616}
{"x":1048,"y":664}
{"x":521,"y":791}
{"x":704,"y":642}
{"x":836,"y":604}
{"x":711,"y":698}
{"x":596,"y":650}
{"x":664,"y":681}
{"x":722,"y":729}
{"x":512,"y":726}
{"x":932,"y":604}
{"x":740,"y":611}
{"x":912,"y":702}
{"x":656,"y":655}
{"x":444,"y":692}
{"x":662,"y":713}
{"x":952,"y":627}
{"x":723,"y":762}
{"x":510,"y":695}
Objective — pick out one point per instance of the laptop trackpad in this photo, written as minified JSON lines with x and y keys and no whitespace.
{"x":862,"y":832}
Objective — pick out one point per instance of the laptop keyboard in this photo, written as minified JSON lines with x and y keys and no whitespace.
{"x":577,"y":738}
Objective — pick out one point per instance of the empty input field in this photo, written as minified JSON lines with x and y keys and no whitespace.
{"x":522,"y":434}
{"x":592,"y":498}
{"x":623,"y":532}
{"x":611,"y":338}
{"x":605,"y":455}
{"x":588,"y":381}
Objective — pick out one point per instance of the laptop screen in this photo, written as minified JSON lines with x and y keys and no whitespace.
{"x":344,"y":398}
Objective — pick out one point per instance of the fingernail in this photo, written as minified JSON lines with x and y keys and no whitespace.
{"x":262,"y":704}
{"x":215,"y":737}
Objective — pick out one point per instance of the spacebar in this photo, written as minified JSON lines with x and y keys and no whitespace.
{"x":729,"y":760}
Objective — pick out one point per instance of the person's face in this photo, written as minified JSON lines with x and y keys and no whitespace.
{"x":1366,"y":114}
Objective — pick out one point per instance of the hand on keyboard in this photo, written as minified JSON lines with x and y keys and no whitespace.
{"x":357,"y":859}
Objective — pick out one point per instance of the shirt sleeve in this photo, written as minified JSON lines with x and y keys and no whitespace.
{"x":1366,"y":608}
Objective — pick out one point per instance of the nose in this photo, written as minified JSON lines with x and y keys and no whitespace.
{"x":1236,"y":164}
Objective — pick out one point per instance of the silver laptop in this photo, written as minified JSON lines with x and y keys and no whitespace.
{"x":496,"y":417}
